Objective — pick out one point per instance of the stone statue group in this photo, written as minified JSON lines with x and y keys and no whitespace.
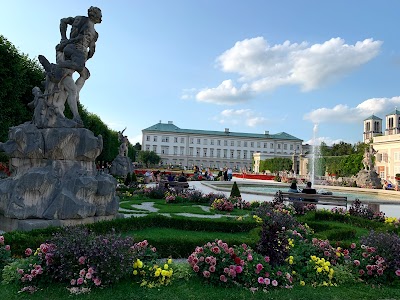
{"x":71,"y":56}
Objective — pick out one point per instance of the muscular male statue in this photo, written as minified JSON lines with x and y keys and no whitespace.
{"x":72,"y":55}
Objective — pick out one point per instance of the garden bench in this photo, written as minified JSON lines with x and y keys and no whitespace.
{"x":314,"y":199}
{"x":176,"y":185}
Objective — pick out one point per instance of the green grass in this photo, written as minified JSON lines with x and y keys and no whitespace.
{"x":194,"y":289}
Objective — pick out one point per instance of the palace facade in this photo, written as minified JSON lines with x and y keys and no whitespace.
{"x":387,"y":143}
{"x":216,"y":149}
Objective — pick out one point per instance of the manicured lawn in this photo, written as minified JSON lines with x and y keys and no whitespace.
{"x":194,"y":289}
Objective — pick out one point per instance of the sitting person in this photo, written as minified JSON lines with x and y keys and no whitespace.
{"x":182,"y":178}
{"x":309,"y":190}
{"x":387,"y":185}
{"x":293,"y":189}
{"x":171,"y":177}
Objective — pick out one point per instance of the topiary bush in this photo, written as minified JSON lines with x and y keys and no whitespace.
{"x":235,"y":190}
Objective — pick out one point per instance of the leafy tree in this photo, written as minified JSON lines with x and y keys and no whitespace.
{"x":149,"y":157}
{"x":342,"y":149}
{"x":18,"y":75}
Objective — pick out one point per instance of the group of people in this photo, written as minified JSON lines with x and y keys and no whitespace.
{"x":307,"y":190}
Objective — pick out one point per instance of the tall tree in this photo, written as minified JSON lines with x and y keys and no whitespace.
{"x":18,"y":75}
{"x":149,"y":158}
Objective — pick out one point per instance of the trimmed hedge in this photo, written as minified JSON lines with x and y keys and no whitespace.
{"x":20,"y":240}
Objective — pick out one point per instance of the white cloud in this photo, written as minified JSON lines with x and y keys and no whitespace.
{"x":225,"y":93}
{"x":263,"y":67}
{"x":344,"y":113}
{"x":240,"y":116}
{"x":327,"y":140}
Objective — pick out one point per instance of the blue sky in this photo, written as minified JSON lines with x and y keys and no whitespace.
{"x":249,"y":66}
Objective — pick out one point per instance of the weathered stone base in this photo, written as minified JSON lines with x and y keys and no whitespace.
{"x":9,"y":224}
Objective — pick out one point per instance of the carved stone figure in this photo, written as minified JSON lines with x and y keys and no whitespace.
{"x":71,"y":56}
{"x":367,"y":160}
{"x":54,"y":181}
{"x":123,"y":148}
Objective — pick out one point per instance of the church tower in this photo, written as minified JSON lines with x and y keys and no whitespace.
{"x":393,"y":123}
{"x":372,"y":127}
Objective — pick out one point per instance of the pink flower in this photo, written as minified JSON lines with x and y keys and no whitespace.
{"x":353,"y":246}
{"x":379,"y":271}
{"x":356,"y":262}
{"x":216,"y":250}
{"x":88,"y":276}
{"x":226,"y":270}
{"x":267,"y":281}
{"x":79,"y":281}
{"x":97,"y":281}
{"x":267,"y":259}
{"x":1,"y":240}
{"x":369,"y":272}
{"x":365,"y":254}
{"x":397,"y":272}
{"x":274,"y":283}
{"x":82,"y":272}
{"x":327,"y":253}
{"x":211,"y":269}
{"x":81,"y":260}
{"x":259,"y":267}
{"x":91,"y":270}
{"x":28,"y":252}
{"x":7,"y":247}
{"x":239,"y":269}
{"x":208,"y":259}
{"x":223,"y":278}
{"x":369,"y":267}
{"x":361,"y":272}
{"x":44,"y":248}
{"x":206,"y":274}
{"x":73,"y":281}
{"x":244,"y":246}
{"x":249,"y":257}
{"x":266,"y":274}
{"x":260,"y":280}
{"x":20,"y":271}
{"x":279,"y":273}
{"x":196,"y":268}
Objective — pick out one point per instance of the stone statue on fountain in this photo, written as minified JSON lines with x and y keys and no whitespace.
{"x":122,"y":164}
{"x":368,"y":176}
{"x":54,"y":178}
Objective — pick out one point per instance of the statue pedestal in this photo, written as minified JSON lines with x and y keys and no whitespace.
{"x":368,"y":179}
{"x":54,"y":181}
{"x":121,"y":166}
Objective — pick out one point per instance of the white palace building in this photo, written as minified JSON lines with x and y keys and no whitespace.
{"x":387,"y":143}
{"x":216,"y":149}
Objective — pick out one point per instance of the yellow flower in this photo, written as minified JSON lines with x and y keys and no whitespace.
{"x":313,"y":257}
{"x":326,"y":268}
{"x":302,"y":283}
{"x":135,"y":272}
{"x":169,"y":261}
{"x":164,"y":273}
{"x":294,"y":272}
{"x":166,"y":266}
{"x":319,"y":270}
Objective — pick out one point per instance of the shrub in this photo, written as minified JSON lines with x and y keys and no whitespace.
{"x":222,"y":204}
{"x":128,"y":179}
{"x":219,"y":264}
{"x":213,"y":196}
{"x":386,"y":245}
{"x":5,"y":253}
{"x":360,"y":210}
{"x":235,"y":190}
{"x":274,"y":241}
{"x":239,"y":203}
{"x":76,"y":250}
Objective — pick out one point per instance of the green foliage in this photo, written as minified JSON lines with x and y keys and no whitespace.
{"x":18,"y":75}
{"x":276,"y":164}
{"x":149,"y":158}
{"x":235,"y":190}
{"x":128,"y":179}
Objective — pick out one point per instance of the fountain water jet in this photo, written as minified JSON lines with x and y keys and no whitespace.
{"x":315,"y":153}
